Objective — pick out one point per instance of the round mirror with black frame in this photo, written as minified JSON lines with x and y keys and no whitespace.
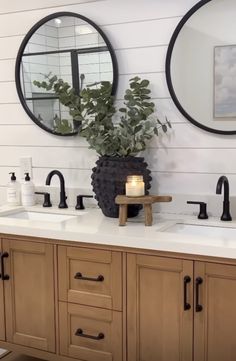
{"x":72,"y":48}
{"x":201,"y":66}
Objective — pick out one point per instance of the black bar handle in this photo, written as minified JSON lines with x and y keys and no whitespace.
{"x":79,"y":276}
{"x":81,"y":333}
{"x":187,"y":306}
{"x":3,"y":276}
{"x":199,"y":281}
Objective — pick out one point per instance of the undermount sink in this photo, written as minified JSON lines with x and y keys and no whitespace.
{"x":39,"y":216}
{"x":202,"y":230}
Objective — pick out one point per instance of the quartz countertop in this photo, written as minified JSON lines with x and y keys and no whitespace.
{"x":91,"y":226}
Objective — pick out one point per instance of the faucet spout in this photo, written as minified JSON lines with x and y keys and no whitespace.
{"x":223,"y":181}
{"x":63,"y":197}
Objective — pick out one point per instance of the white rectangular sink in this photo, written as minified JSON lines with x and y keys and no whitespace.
{"x":202,"y":230}
{"x":39,"y":216}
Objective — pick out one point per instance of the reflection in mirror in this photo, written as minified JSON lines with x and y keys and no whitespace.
{"x":201,"y":66}
{"x":76,"y":51}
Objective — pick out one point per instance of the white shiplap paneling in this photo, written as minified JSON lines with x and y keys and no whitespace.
{"x":187,"y":160}
{"x":29,"y":5}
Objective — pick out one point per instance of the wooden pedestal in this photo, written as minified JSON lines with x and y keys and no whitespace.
{"x":146,"y":201}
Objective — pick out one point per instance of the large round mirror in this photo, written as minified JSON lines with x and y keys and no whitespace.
{"x":201,"y":66}
{"x":68,"y":46}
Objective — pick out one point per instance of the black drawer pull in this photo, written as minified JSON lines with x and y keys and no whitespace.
{"x":3,"y":276}
{"x":79,"y":276}
{"x":81,"y":333}
{"x":187,"y":305}
{"x":199,"y":281}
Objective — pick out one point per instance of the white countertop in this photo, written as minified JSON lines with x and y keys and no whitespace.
{"x":91,"y":226}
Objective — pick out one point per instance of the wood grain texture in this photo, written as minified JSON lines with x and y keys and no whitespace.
{"x":39,"y":354}
{"x":29,"y":294}
{"x":90,"y":263}
{"x":123,"y":214}
{"x":2,"y":308}
{"x":150,"y":199}
{"x":215,"y":326}
{"x":146,"y":201}
{"x":148,"y":214}
{"x":157,"y":326}
{"x":92,"y":321}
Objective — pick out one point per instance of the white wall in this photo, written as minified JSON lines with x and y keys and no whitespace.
{"x":187,"y":161}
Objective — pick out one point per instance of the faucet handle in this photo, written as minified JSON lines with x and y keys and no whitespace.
{"x":203,"y":209}
{"x":80,"y":203}
{"x":47,"y":200}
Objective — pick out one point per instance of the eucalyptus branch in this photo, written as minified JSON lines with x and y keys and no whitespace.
{"x":94,"y":108}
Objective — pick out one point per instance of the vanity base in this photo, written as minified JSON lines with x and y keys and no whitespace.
{"x":133,"y":297}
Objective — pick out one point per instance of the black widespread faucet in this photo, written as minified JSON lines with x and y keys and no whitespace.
{"x":63,"y":197}
{"x":223,"y":180}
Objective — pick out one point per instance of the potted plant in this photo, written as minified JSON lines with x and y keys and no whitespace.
{"x":116,"y":135}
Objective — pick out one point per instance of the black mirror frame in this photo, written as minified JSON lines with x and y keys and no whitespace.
{"x":174,"y":37}
{"x":21,"y":51}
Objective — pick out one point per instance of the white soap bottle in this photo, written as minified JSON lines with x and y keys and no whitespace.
{"x":13,"y":191}
{"x":27,"y":192}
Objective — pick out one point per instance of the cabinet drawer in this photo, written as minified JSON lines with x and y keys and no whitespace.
{"x":90,"y":277}
{"x":91,"y":334}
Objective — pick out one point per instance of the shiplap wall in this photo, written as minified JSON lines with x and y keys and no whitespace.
{"x":186,"y":161}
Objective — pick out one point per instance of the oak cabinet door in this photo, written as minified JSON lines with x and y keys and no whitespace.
{"x":159,"y":329}
{"x":29,"y":294}
{"x":2,"y":308}
{"x":215,"y":323}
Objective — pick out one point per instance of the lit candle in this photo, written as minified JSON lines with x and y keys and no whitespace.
{"x":134,"y":186}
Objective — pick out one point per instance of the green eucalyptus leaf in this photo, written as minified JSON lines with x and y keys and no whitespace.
{"x":138,"y":128}
{"x":156,"y":131}
{"x":164,"y":128}
{"x":168,"y":123}
{"x":145,"y":83}
{"x":135,"y":79}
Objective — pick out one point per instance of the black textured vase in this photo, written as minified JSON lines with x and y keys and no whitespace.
{"x":109,"y":178}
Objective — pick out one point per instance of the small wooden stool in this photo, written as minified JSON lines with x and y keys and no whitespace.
{"x":146,"y":201}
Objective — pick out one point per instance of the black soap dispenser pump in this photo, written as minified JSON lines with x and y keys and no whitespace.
{"x":13,"y":191}
{"x":13,"y":177}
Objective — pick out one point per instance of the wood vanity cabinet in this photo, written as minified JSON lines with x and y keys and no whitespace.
{"x":65,"y":303}
{"x":180,"y":310}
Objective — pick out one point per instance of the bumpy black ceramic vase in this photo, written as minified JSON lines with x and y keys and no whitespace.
{"x":109,"y":178}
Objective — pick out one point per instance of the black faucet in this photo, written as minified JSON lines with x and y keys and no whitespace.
{"x":63,"y":197}
{"x":223,"y":180}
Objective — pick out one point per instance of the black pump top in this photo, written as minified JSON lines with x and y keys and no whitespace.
{"x":27,"y":177}
{"x":13,"y":177}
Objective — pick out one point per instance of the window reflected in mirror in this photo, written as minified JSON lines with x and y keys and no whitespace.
{"x":72,"y":49}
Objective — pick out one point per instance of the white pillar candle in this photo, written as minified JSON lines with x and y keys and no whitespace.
{"x":134,"y":186}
